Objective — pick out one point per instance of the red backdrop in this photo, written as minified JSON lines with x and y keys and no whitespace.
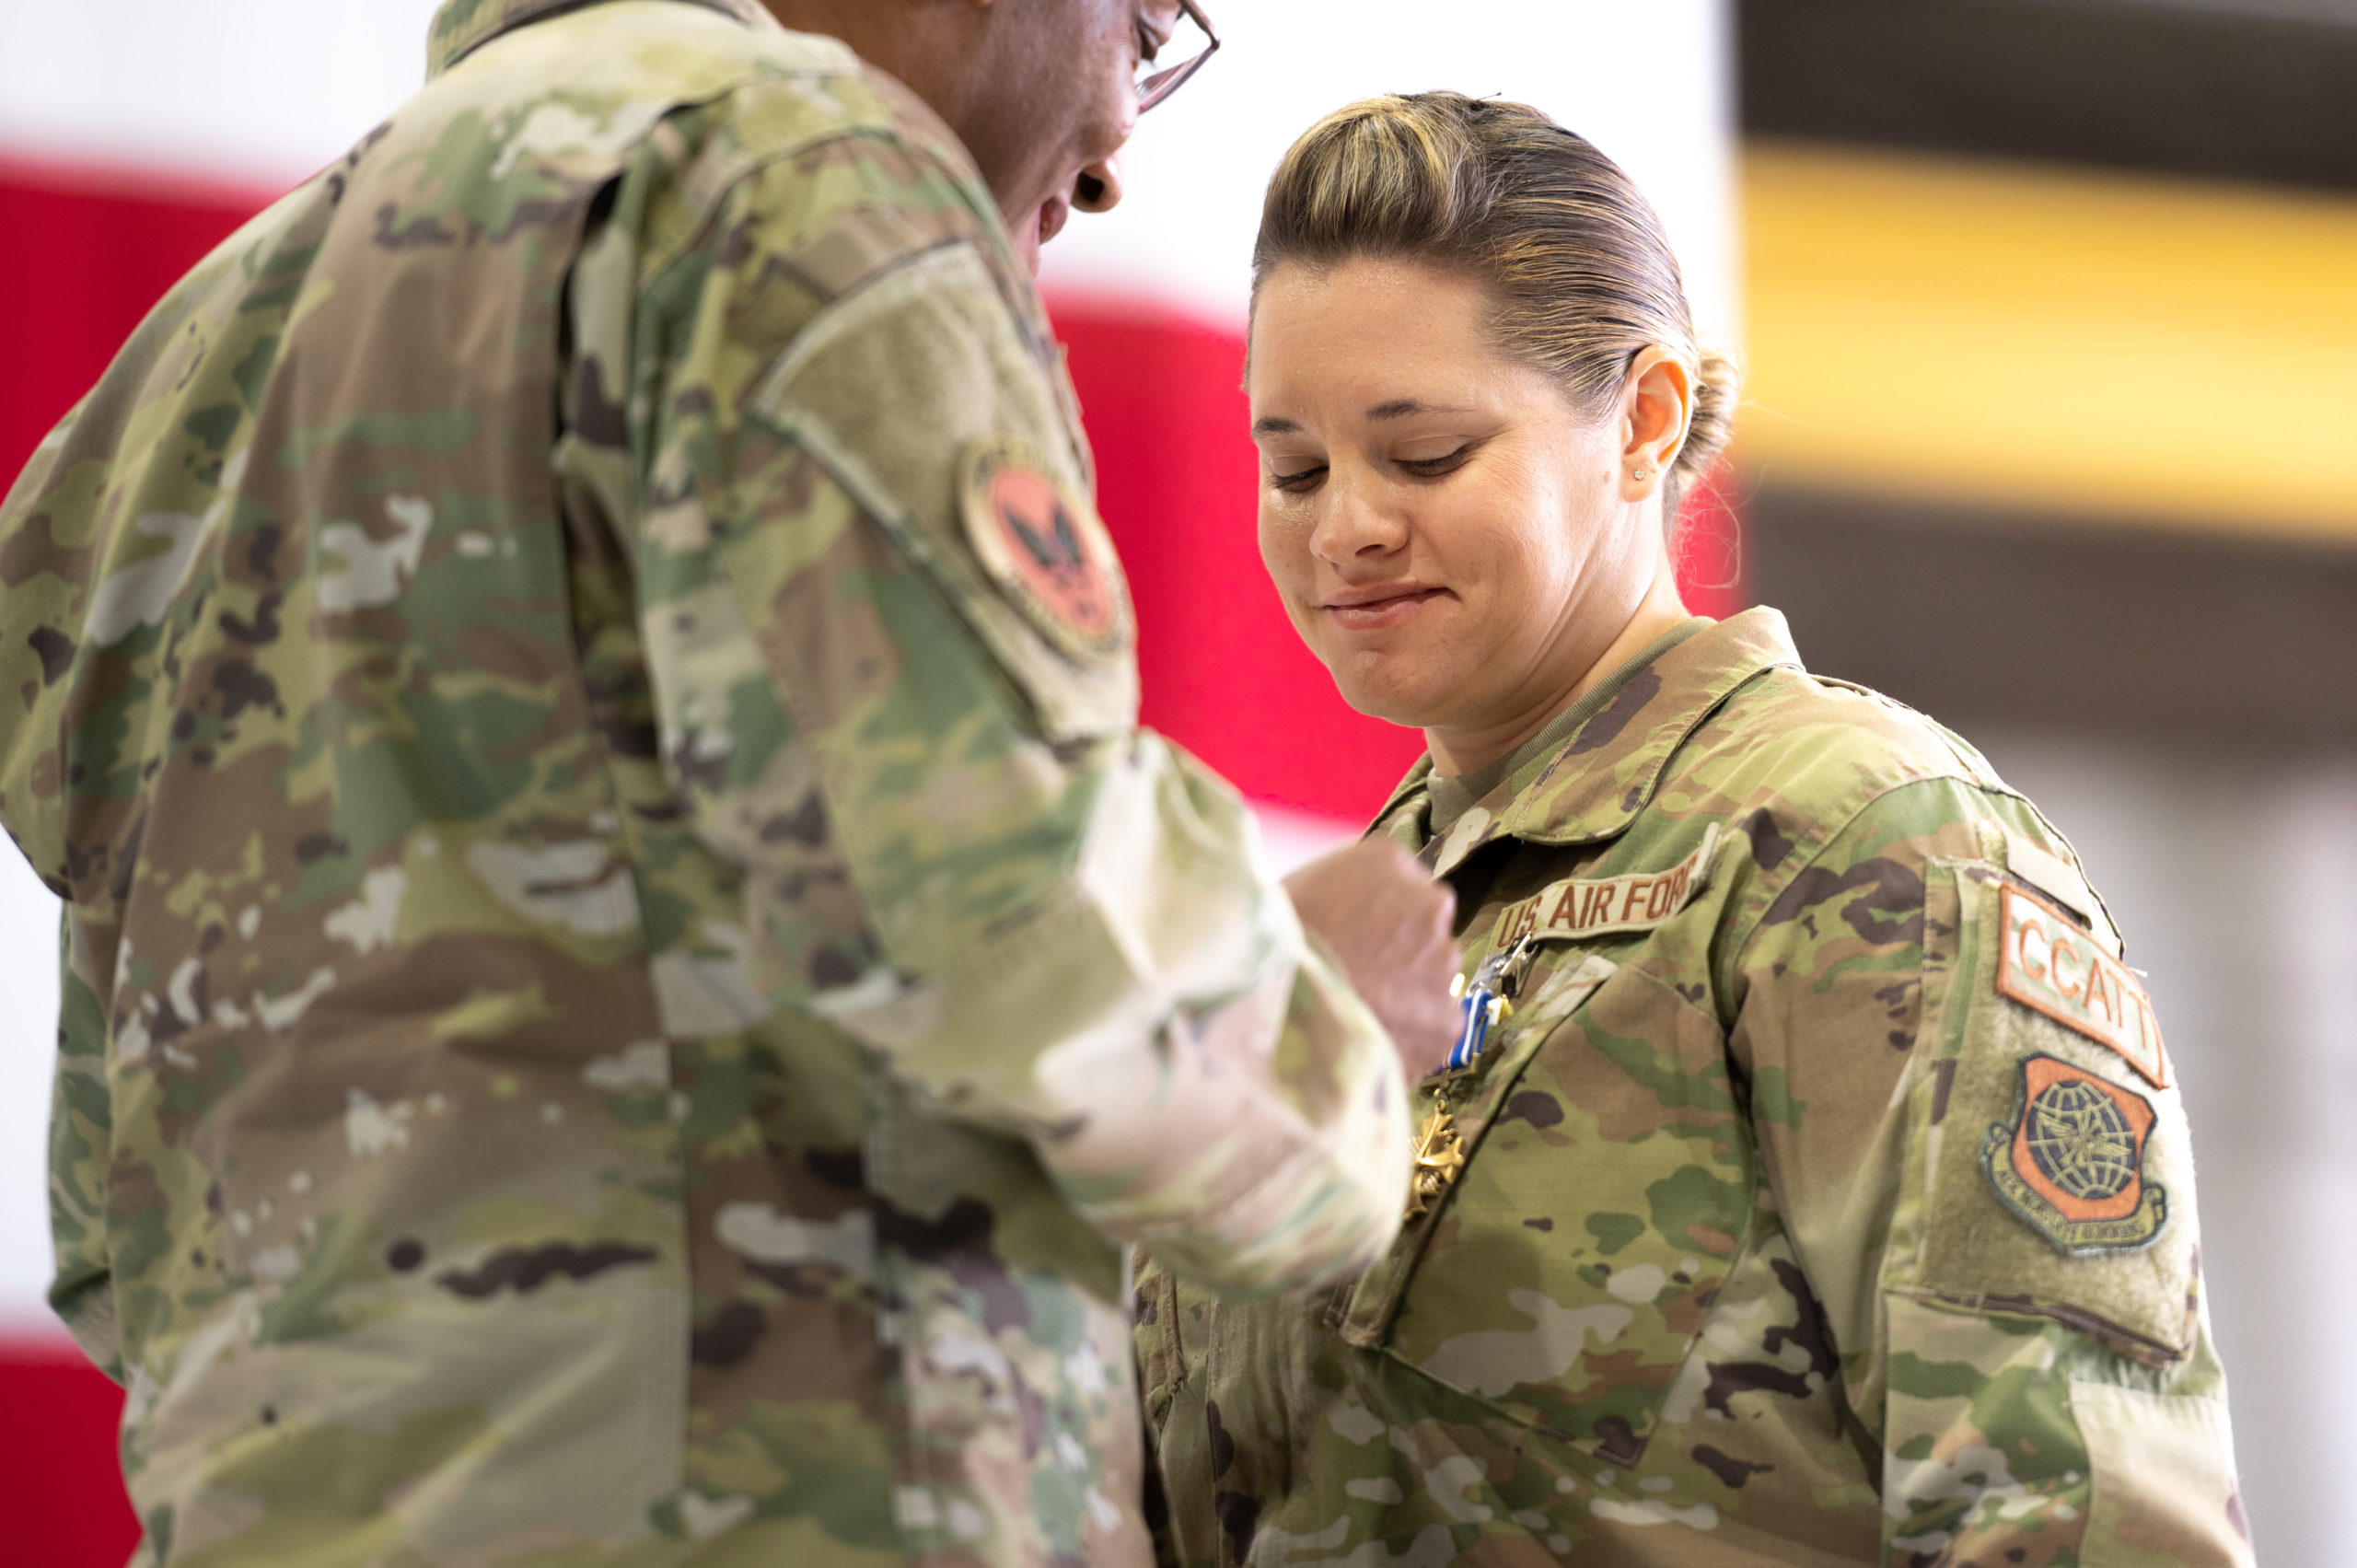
{"x":1222,"y":672}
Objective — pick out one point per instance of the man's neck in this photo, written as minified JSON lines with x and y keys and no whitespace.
{"x":908,"y":42}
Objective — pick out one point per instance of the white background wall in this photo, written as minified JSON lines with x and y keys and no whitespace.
{"x":1651,"y":84}
{"x":246,"y":90}
{"x":27,"y":1031}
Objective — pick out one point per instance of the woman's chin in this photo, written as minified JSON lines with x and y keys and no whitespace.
{"x":1375,"y":687}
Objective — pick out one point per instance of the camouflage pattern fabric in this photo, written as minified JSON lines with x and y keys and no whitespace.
{"x":1731,"y":1276}
{"x":623,"y":993}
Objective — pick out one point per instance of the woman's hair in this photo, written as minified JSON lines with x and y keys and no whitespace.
{"x":1573,"y":252}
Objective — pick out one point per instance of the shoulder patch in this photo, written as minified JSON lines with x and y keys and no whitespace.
{"x":1046,"y":549}
{"x":2073,"y":1162}
{"x":2050,"y":964}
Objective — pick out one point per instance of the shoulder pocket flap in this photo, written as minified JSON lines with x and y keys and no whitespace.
{"x":2051,"y":1177}
{"x":893,"y":389}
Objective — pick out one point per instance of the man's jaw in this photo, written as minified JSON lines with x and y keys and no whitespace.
{"x":1054,"y":213}
{"x":1030,"y":230}
{"x":1033,"y":230}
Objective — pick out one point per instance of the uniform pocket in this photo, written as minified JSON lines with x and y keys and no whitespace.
{"x":2159,"y":1491}
{"x":1573,"y":1263}
{"x":2052,"y":1173}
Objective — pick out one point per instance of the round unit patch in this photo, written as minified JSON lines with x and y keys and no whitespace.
{"x":2074,"y":1165}
{"x":1046,"y":550}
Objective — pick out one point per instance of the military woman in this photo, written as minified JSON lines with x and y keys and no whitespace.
{"x":1811,"y":1184}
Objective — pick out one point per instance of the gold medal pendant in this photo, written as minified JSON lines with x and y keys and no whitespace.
{"x":1440,"y":1154}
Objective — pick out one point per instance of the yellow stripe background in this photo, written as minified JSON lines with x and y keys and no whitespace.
{"x":2118,"y":347}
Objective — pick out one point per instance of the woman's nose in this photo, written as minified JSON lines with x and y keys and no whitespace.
{"x":1353,"y":527}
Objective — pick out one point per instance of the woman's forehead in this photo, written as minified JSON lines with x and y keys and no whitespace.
{"x":1370,"y":335}
{"x":1369,"y":293}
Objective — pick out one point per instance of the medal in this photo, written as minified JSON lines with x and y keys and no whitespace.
{"x":1484,"y":1002}
{"x":1440,"y":1154}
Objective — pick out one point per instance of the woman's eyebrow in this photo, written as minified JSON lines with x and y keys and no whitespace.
{"x":1399,"y":408}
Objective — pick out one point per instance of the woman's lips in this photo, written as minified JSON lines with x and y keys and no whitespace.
{"x":1376,"y":614}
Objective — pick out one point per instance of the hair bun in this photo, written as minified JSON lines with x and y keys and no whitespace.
{"x":1718,"y":389}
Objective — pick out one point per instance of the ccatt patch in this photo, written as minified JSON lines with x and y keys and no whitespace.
{"x":2050,"y":965}
{"x":1046,"y":550}
{"x":2073,"y":1162}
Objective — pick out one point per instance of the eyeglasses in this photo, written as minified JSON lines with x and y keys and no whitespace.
{"x":1153,"y":88}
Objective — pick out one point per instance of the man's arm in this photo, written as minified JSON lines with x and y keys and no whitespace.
{"x":1053,"y":925}
{"x":81,"y":1129}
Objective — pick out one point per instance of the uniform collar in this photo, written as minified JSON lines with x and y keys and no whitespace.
{"x":461,"y":26}
{"x":1592,"y":786}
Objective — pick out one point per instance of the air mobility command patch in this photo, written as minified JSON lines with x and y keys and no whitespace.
{"x":2073,"y":1162}
{"x":1046,"y":550}
{"x":2050,"y":964}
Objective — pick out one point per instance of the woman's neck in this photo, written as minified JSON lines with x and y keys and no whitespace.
{"x":1470,"y":749}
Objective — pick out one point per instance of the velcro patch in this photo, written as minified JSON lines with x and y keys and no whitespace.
{"x":1046,"y":549}
{"x":1576,"y":909}
{"x":2073,"y":1162}
{"x":2050,"y":964}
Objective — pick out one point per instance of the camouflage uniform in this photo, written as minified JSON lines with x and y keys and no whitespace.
{"x":627,"y":969}
{"x":1799,"y":1226}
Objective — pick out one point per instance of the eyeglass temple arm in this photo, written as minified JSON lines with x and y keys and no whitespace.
{"x":1196,"y":13}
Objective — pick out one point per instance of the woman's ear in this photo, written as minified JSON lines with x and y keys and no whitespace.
{"x":1657,"y":409}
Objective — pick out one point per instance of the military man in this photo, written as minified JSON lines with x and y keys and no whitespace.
{"x":627,"y":969}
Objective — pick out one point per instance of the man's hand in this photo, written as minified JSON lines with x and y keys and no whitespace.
{"x":1384,"y":917}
